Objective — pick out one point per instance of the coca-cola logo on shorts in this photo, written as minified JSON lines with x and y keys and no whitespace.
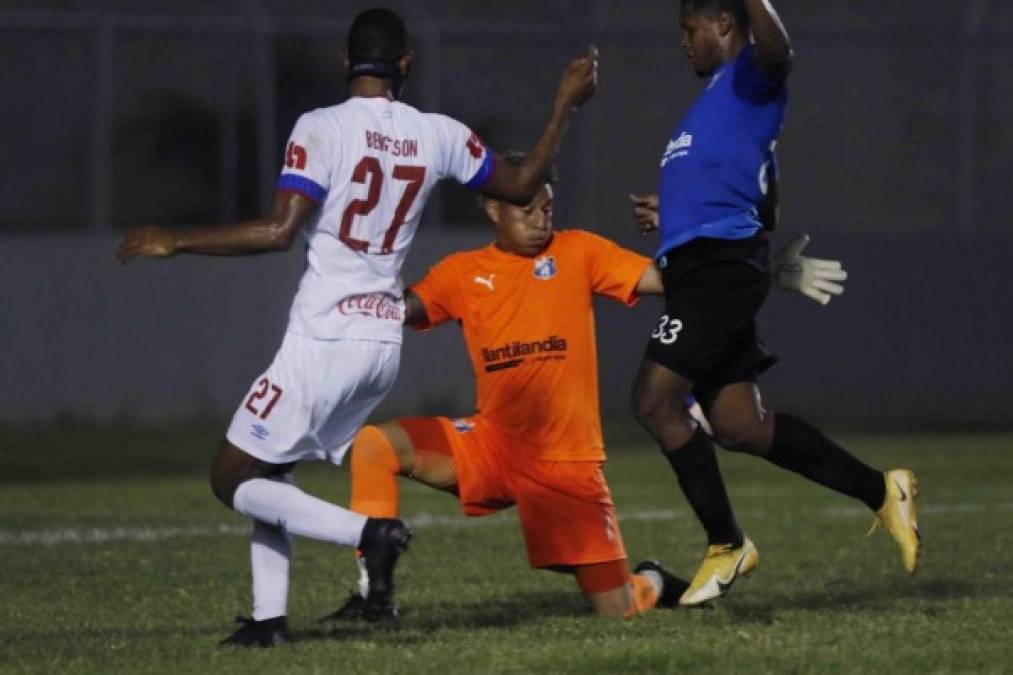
{"x":372,"y":305}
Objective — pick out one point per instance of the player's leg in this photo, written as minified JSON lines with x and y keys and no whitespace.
{"x":612,"y":591}
{"x":270,"y":551}
{"x":264,"y":492}
{"x":609,"y":589}
{"x":659,"y":400}
{"x":246,"y":484}
{"x":307,"y":405}
{"x":713,"y":289}
{"x":570,"y":524}
{"x":740,"y":423}
{"x":412,"y":447}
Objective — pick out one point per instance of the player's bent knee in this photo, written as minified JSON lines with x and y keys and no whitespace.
{"x":750,"y":439}
{"x":223,"y":485}
{"x":232,"y":467}
{"x":651,"y":410}
{"x":374,"y":446}
{"x":671,"y":425}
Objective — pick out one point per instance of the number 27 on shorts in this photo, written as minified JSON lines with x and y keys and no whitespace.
{"x":254,"y":402}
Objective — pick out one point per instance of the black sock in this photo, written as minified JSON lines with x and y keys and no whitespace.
{"x":799,"y":447}
{"x":696,"y":466}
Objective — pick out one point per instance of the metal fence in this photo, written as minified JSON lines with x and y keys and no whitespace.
{"x":897,"y":156}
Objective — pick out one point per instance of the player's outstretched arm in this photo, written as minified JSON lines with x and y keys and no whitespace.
{"x":519,"y":184}
{"x":274,"y":232}
{"x":650,"y":281}
{"x":772,"y":49}
{"x":812,"y":277}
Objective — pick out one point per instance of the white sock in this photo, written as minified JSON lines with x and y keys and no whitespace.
{"x":290,"y":508}
{"x":363,"y":583}
{"x":270,"y":553}
{"x":655,"y":580}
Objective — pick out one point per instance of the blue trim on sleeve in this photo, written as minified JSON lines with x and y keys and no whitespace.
{"x":483,"y":173}
{"x":291,"y":182}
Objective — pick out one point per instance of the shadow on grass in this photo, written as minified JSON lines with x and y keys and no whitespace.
{"x":418,"y":622}
{"x":842,"y":595}
{"x":415,"y":625}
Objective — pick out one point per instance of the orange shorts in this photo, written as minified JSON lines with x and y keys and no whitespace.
{"x":565,"y":508}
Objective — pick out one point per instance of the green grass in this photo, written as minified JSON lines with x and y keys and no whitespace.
{"x":824,"y":598}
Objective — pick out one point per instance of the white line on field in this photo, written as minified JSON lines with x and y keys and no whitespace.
{"x":101,"y":535}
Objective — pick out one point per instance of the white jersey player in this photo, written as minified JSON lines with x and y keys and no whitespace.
{"x":370,"y":163}
{"x":355,"y":180}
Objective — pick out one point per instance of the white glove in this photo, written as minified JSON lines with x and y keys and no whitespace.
{"x":811,"y":277}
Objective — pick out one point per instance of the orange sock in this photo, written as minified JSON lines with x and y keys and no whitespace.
{"x":375,"y":469}
{"x":645,"y":595}
{"x":602,"y":577}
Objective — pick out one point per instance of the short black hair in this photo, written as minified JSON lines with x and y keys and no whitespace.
{"x":736,"y":8}
{"x":377,"y":34}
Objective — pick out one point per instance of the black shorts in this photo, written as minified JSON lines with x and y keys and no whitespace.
{"x":713,"y":290}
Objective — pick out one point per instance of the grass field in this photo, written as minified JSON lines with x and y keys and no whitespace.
{"x":114,"y":558}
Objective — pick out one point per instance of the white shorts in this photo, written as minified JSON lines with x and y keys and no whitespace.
{"x":314,"y":397}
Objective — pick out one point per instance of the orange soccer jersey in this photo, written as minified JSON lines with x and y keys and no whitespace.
{"x":529,"y":327}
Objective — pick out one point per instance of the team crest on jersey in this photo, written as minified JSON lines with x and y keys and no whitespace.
{"x":463,"y":426}
{"x":545,"y":267}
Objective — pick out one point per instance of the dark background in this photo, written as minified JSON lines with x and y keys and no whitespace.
{"x":896,"y":158}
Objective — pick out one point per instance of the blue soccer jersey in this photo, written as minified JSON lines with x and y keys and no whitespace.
{"x":715,"y":167}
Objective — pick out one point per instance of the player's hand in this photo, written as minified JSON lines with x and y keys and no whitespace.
{"x":645,"y":212}
{"x":150,"y":241}
{"x":812,"y":277}
{"x":580,"y":80}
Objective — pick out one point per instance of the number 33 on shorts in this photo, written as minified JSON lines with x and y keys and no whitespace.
{"x":668,"y":330}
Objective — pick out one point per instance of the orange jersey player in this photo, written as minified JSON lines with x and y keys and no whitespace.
{"x":525,"y":305}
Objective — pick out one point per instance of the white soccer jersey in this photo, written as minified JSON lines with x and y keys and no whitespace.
{"x":370,"y":163}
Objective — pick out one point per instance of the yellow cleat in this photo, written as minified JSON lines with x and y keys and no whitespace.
{"x":899,"y":517}
{"x":720,"y":568}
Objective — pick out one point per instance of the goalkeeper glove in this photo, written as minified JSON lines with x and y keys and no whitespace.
{"x":811,"y":277}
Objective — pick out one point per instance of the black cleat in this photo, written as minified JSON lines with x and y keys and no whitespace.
{"x":354,"y":609}
{"x":383,"y":542}
{"x":672,"y":587}
{"x":266,"y":633}
{"x":357,"y":608}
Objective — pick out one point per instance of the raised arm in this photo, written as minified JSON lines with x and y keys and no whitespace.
{"x":519,"y":184}
{"x":772,"y":47}
{"x":273,"y":232}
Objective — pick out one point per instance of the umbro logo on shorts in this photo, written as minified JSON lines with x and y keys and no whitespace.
{"x":259,"y":431}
